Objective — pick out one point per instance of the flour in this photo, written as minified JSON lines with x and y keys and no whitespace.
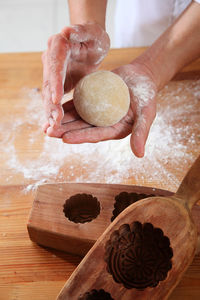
{"x":168,"y":146}
{"x":143,"y":90}
{"x":79,"y":36}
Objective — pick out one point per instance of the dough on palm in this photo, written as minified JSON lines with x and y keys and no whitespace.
{"x":102,"y":98}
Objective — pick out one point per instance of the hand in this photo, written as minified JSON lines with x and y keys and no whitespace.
{"x":71,"y":54}
{"x":138,"y":120}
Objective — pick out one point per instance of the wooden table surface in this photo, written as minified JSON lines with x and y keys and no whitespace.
{"x":28,"y":271}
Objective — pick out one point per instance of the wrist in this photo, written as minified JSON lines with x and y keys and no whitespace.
{"x":161,"y":61}
{"x":85,"y":11}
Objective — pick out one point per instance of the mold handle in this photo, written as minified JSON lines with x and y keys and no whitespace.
{"x":189,"y":190}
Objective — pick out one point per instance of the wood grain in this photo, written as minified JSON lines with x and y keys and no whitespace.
{"x":29,"y":271}
{"x":176,"y":224}
{"x":48,"y":226}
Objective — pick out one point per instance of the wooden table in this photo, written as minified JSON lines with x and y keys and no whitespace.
{"x":28,"y":271}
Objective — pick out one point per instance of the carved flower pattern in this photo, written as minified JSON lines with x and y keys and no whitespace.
{"x":124,"y":199}
{"x":81,"y":208}
{"x":96,"y":295}
{"x":138,"y":256}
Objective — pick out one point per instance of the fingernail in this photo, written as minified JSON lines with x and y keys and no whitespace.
{"x":51,"y":122}
{"x":54,"y":114}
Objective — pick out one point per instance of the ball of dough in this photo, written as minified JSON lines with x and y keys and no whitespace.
{"x":102,"y":98}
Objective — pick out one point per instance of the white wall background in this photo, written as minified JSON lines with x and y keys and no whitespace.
{"x":25,"y":25}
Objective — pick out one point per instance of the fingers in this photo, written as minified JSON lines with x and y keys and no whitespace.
{"x":54,"y":70}
{"x":63,"y":64}
{"x":70,"y":121}
{"x":93,"y":134}
{"x":69,"y":126}
{"x":54,"y":113}
{"x":65,"y":56}
{"x":143,"y":122}
{"x":74,"y":130}
{"x":89,"y":135}
{"x":69,"y":116}
{"x":143,"y":103}
{"x":58,"y":57}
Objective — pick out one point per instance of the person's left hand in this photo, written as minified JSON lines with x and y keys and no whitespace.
{"x":71,"y":54}
{"x":138,"y":120}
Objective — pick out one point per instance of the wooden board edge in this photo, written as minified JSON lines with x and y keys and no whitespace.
{"x":69,"y":244}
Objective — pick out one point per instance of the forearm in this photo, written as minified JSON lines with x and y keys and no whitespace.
{"x":176,"y":47}
{"x":84,"y":11}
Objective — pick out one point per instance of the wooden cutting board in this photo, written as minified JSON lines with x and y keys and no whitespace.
{"x":29,"y":271}
{"x":90,"y":208}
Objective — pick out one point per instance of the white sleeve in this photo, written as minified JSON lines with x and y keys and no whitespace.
{"x":197,"y":1}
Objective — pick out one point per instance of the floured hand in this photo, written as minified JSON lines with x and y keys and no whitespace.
{"x":71,"y":54}
{"x":138,"y":120}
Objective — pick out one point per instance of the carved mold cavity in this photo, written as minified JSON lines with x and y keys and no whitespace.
{"x":81,"y":208}
{"x":138,"y":255}
{"x":96,"y":295}
{"x":124,"y":199}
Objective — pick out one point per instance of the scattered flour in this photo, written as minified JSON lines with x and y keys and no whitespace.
{"x":168,"y":146}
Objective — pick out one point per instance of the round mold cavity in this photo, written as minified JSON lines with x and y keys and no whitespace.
{"x":138,"y":255}
{"x":96,"y":295}
{"x":81,"y":208}
{"x":124,"y":199}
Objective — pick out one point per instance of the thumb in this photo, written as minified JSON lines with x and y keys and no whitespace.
{"x":140,"y":132}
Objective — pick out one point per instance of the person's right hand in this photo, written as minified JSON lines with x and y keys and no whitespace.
{"x":71,"y":54}
{"x":137,"y":122}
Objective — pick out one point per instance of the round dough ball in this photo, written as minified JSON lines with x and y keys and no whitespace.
{"x":102,"y":98}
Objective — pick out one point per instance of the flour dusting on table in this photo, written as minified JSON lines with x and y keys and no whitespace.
{"x":168,"y":145}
